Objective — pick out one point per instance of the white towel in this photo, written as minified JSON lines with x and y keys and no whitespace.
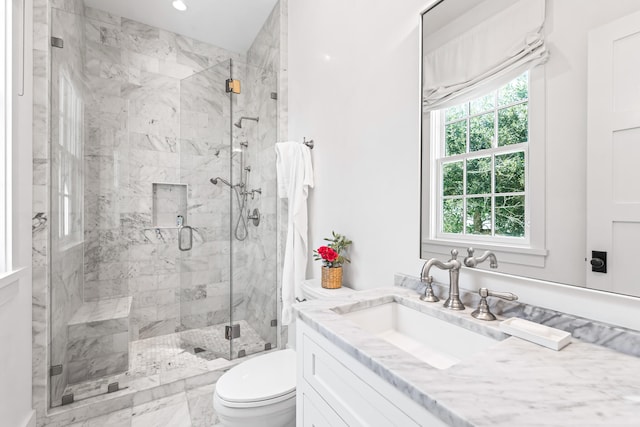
{"x":295,"y":177}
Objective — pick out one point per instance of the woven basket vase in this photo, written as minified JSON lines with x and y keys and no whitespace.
{"x":331,"y":277}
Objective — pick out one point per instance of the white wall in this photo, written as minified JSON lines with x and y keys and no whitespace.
{"x":354,"y":89}
{"x":15,"y":290}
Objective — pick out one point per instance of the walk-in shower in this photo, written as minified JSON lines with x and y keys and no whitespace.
{"x":144,"y":148}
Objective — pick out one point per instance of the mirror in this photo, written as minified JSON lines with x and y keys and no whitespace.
{"x":506,"y":162}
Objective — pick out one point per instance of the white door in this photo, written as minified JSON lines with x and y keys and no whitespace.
{"x":613,"y":154}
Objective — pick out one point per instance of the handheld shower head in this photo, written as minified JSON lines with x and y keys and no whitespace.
{"x":238,"y":124}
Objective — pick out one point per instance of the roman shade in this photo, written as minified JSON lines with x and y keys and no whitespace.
{"x":481,"y":50}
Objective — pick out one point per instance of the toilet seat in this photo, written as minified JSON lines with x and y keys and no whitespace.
{"x":258,"y":403}
{"x":261,"y":381}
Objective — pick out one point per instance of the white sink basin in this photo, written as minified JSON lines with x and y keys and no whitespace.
{"x":434,"y":341}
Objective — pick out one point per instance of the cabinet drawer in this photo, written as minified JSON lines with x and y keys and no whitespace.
{"x":356,"y":402}
{"x":316,"y":412}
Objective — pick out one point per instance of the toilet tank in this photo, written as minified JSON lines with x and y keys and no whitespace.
{"x":312,"y":289}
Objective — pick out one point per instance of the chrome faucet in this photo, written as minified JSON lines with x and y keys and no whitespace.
{"x":453,"y":265}
{"x":471,"y":261}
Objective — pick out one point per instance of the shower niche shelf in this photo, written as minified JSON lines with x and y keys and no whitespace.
{"x":169,"y":204}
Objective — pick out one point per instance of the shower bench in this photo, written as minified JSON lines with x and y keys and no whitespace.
{"x":98,"y":339}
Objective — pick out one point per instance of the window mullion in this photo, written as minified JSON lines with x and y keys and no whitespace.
{"x":440,"y":194}
{"x":527,"y":195}
{"x":493,"y":195}
{"x":495,"y":120}
{"x":464,"y":196}
{"x":468,"y":129}
{"x":493,"y":164}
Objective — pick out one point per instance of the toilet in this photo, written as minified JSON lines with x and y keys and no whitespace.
{"x":262,"y":390}
{"x":258,"y":392}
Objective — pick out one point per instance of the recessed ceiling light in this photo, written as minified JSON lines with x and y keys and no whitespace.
{"x":179,"y":4}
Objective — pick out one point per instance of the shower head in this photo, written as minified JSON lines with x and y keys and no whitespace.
{"x":215,"y":180}
{"x":238,"y":124}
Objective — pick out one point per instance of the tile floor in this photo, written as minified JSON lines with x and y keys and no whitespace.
{"x":192,"y":408}
{"x":167,"y":358}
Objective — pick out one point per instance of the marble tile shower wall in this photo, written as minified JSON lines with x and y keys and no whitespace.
{"x":135,"y":71}
{"x":42,"y":327}
{"x":260,"y":247}
{"x":66,"y":253}
{"x":206,"y":151}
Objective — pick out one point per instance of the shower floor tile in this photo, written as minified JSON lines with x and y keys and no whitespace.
{"x":167,"y":358}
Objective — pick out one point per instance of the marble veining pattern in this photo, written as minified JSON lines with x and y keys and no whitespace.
{"x":140,"y":76}
{"x":66,"y":249}
{"x":132,"y":140}
{"x":515,"y":383}
{"x":166,"y":358}
{"x":617,"y":338}
{"x":98,"y":340}
{"x":255,"y":258}
{"x":192,"y":408}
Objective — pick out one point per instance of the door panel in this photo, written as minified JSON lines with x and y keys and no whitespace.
{"x":205,"y":153}
{"x":626,"y":236}
{"x":613,"y":150}
{"x":626,"y":174}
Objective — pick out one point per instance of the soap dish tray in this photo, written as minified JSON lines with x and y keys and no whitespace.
{"x":552,"y":338}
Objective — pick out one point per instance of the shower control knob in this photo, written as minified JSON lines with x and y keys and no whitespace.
{"x":255,"y":217}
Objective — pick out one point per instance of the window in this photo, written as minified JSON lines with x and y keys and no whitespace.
{"x":481,"y":161}
{"x":69,"y":155}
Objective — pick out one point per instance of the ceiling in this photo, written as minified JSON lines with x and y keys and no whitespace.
{"x":231,"y":24}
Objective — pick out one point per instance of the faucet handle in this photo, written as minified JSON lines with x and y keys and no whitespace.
{"x":428,"y":295}
{"x":483,"y":312}
{"x":454,"y":254}
{"x":469,"y":260}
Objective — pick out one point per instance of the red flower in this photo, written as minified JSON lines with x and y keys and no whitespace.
{"x":327,"y":253}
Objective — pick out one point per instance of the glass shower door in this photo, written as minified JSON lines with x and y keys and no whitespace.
{"x":204,"y":236}
{"x":69,"y":98}
{"x":228,"y":275}
{"x":254,"y":220}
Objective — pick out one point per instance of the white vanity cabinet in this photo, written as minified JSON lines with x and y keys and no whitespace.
{"x":334,"y":389}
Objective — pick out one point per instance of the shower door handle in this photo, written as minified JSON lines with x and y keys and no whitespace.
{"x":181,"y":238}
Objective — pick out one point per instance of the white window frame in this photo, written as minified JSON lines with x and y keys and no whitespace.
{"x":438,"y":126}
{"x":529,"y":251}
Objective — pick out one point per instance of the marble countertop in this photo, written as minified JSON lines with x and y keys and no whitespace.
{"x":515,"y":383}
